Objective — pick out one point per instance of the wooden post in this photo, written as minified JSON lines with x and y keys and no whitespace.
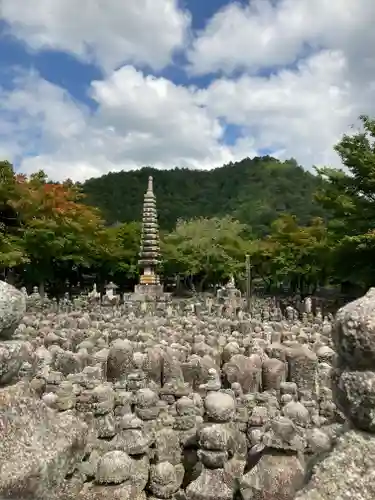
{"x":248,"y":282}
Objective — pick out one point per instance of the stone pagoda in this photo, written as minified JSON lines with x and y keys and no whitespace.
{"x":149,"y":256}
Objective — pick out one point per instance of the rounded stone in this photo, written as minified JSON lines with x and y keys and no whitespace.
{"x":255,"y":436}
{"x":214,"y":438}
{"x":288,"y":388}
{"x":185,"y":406}
{"x":286,"y":398}
{"x":259,"y":416}
{"x":49,"y":399}
{"x":354,"y":333}
{"x":283,"y":427}
{"x":145,"y":398}
{"x":163,"y":473}
{"x":164,"y":480}
{"x":219,"y":406}
{"x":113,"y":468}
{"x":213,"y":459}
{"x":355,"y":396}
{"x":318,"y":441}
{"x":130,"y":421}
{"x":297,"y":413}
{"x":325,"y":353}
{"x":12,"y":309}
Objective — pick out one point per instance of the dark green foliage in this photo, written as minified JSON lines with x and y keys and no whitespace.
{"x":254,"y":191}
{"x":349,"y":194}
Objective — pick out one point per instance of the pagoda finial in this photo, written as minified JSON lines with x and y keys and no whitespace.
{"x":150,"y":187}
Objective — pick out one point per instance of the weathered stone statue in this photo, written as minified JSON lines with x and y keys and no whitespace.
{"x":230,"y":296}
{"x":110,"y":298}
{"x":348,"y":470}
{"x":12,"y":309}
{"x":308,"y":305}
{"x":94,"y":295}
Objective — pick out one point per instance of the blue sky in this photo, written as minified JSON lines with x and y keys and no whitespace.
{"x":187,"y":83}
{"x":65,"y":70}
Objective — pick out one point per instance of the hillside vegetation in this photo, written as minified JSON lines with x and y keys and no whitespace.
{"x":253,"y":191}
{"x":301,"y":231}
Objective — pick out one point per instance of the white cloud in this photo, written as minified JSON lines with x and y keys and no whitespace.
{"x":299,"y":113}
{"x":140,"y":120}
{"x":300,"y":110}
{"x":36,"y":116}
{"x":265,"y":33}
{"x":107,"y":33}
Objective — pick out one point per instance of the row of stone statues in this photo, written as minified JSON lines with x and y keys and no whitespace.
{"x":228,"y":299}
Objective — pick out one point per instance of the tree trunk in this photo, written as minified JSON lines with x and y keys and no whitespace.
{"x":10,"y":276}
{"x":42,"y":289}
{"x":178,"y":283}
{"x":201,"y":283}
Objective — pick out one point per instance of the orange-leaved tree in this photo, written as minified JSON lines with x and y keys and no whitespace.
{"x":56,"y":227}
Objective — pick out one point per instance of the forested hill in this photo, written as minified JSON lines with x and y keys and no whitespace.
{"x":255,"y":191}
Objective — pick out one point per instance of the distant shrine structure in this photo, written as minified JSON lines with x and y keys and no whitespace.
{"x":149,"y":286}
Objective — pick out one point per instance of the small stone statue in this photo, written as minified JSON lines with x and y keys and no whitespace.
{"x":110,"y":298}
{"x":231,"y":283}
{"x":94,"y":295}
{"x":308,"y":305}
{"x":213,"y":382}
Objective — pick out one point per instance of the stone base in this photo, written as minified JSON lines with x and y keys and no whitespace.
{"x":148,"y":292}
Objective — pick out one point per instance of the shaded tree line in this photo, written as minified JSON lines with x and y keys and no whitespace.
{"x":301,"y":230}
{"x":254,"y":192}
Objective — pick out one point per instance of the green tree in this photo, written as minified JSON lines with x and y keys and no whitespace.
{"x":349,"y":195}
{"x":11,"y":252}
{"x":205,"y":251}
{"x":291,"y":253}
{"x":124,"y":242}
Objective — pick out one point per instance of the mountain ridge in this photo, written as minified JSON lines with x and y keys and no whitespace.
{"x":255,"y":191}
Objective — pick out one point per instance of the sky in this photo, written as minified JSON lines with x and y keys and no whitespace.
{"x":96,"y":86}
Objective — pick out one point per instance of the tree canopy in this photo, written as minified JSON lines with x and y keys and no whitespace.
{"x":293,"y":254}
{"x":50,"y":227}
{"x":253,"y":191}
{"x":209,"y":250}
{"x":300,"y":230}
{"x":349,"y":195}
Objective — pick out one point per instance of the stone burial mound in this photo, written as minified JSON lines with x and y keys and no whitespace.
{"x":160,"y":401}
